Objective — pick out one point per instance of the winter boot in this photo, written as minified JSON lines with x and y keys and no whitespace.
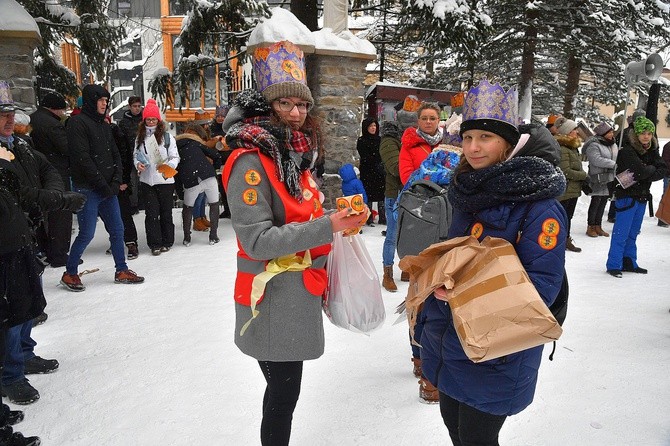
{"x":404,"y":276}
{"x":387,"y":281}
{"x":186,"y":217}
{"x":214,"y":221}
{"x":599,"y":231}
{"x":133,"y":252}
{"x":629,"y":267}
{"x":10,"y":438}
{"x":570,"y":246}
{"x":428,"y":393}
{"x":591,"y":231}
{"x":382,"y":213}
{"x":417,"y":367}
{"x":199,"y":224}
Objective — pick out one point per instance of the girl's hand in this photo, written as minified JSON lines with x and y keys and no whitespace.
{"x":141,"y":167}
{"x":343,"y":220}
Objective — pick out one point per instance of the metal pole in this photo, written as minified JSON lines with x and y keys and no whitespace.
{"x":625,"y":112}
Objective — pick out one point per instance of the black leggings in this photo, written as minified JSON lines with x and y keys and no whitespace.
{"x":469,"y":426}
{"x":569,"y":205}
{"x":281,"y":396}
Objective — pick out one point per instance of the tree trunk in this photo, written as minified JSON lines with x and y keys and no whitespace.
{"x":306,"y":12}
{"x":572,"y":85}
{"x":528,"y":57}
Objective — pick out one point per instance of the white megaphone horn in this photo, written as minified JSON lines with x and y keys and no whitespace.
{"x":648,"y":69}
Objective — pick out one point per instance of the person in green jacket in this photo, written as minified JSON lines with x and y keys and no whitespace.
{"x":571,"y":165}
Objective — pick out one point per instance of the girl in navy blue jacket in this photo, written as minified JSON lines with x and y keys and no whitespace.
{"x":498,"y":194}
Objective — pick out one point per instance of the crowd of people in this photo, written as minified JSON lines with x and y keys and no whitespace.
{"x":255,"y":163}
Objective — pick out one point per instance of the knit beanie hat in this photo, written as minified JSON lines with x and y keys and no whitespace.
{"x":602,"y":128}
{"x":151,"y":110}
{"x":564,"y":125}
{"x":643,"y":124}
{"x":221,"y":111}
{"x":54,"y":101}
{"x":489,"y":107}
{"x":280,"y":72}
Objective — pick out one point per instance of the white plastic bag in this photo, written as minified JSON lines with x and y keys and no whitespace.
{"x":354,"y":296}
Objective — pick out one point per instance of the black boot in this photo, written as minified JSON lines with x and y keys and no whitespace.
{"x":214,"y":223}
{"x":186,"y":217}
{"x":629,"y":267}
{"x":382,"y":213}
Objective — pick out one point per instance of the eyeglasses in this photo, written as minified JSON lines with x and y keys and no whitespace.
{"x":151,"y":119}
{"x":286,"y":105}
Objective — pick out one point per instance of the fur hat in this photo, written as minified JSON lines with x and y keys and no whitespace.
{"x":280,"y":72}
{"x":488,"y":107}
{"x":564,"y":125}
{"x":53,"y":101}
{"x":643,"y":124}
{"x":602,"y":129}
{"x":151,"y":110}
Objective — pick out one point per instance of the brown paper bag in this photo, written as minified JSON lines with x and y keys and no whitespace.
{"x":496,"y":308}
{"x":663,"y":211}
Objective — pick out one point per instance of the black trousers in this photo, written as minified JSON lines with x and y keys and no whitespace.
{"x":281,"y":396}
{"x":129,"y":229}
{"x":597,"y":209}
{"x":158,"y":223}
{"x":58,"y":233}
{"x":469,"y":426}
{"x":569,"y":205}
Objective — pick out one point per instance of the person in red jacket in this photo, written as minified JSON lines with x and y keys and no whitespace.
{"x":417,"y":143}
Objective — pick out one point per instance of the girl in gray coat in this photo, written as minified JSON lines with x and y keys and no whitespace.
{"x":282,"y":233}
{"x":601,"y":152}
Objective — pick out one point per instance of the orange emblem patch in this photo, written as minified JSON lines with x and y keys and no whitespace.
{"x":477,"y":230}
{"x":357,"y":203}
{"x":317,"y":205}
{"x":252,"y":177}
{"x":551,"y":227}
{"x":250,"y":197}
{"x":307,"y":194}
{"x":341,"y":203}
{"x":547,"y":242}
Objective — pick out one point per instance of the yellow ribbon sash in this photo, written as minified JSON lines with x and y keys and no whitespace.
{"x":291,"y":262}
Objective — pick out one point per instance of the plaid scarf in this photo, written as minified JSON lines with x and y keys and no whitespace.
{"x":278,"y":142}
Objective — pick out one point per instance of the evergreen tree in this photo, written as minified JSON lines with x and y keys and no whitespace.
{"x":86,"y":25}
{"x":211,"y":32}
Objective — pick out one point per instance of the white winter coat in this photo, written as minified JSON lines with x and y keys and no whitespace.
{"x":169,"y":156}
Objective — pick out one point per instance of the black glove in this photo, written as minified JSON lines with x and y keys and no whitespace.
{"x":73,"y":201}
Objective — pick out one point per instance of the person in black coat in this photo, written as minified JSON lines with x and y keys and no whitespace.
{"x":20,"y":280}
{"x":50,"y":138}
{"x":97,"y":172}
{"x":128,"y":124}
{"x":197,"y":173}
{"x":372,"y":170}
{"x":40,"y":191}
{"x":638,"y":165}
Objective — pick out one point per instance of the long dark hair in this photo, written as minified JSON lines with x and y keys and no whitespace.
{"x":142,"y":132}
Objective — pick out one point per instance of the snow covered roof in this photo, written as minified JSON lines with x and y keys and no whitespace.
{"x":16,"y":20}
{"x":283,"y":25}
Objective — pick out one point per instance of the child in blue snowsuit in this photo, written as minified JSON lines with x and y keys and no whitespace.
{"x":351,"y":184}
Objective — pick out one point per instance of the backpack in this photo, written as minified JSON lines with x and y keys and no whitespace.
{"x":424,"y":217}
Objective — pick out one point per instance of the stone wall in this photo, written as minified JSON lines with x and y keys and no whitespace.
{"x":16,"y":60}
{"x":336,"y":83}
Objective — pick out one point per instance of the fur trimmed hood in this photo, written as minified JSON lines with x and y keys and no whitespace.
{"x":190,"y":136}
{"x":570,"y":142}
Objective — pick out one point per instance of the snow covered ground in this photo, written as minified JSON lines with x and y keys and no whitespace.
{"x":155,"y":364}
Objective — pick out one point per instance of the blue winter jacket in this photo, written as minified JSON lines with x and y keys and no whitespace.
{"x":503,"y":386}
{"x":351,"y":185}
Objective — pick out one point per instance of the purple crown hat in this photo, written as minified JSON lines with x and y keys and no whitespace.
{"x":7,"y":103}
{"x":488,"y":107}
{"x":280,"y":72}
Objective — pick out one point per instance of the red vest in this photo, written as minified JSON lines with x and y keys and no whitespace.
{"x":315,"y":280}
